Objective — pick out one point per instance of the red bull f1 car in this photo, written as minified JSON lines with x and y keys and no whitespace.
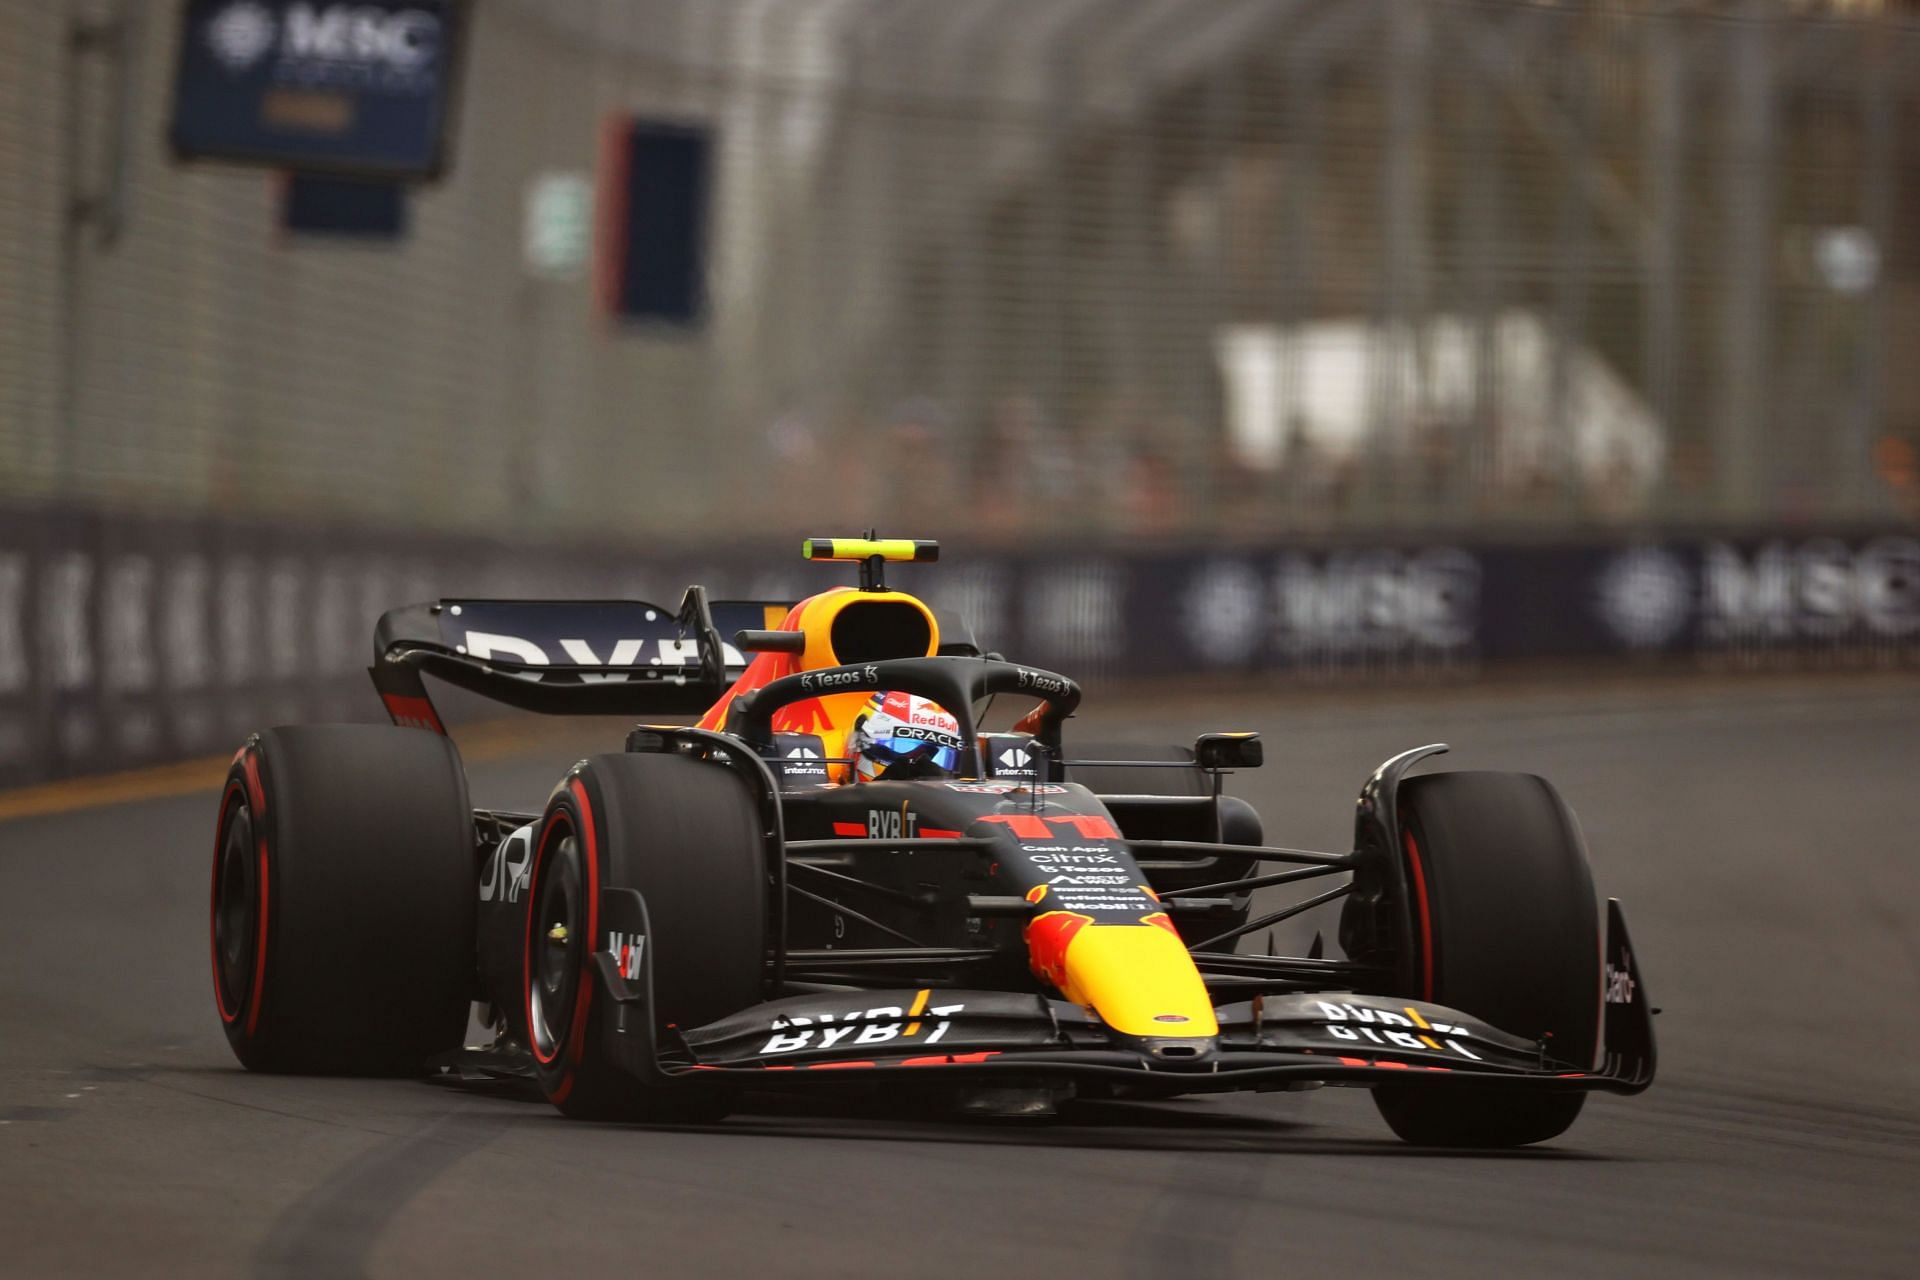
{"x":732,"y":906}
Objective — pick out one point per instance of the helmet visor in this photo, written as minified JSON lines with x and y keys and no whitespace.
{"x":917,"y":748}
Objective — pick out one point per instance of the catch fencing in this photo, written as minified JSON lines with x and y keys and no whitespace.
{"x":1114,"y":269}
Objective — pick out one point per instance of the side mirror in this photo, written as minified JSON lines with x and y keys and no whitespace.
{"x":1228,"y":751}
{"x":770,"y":641}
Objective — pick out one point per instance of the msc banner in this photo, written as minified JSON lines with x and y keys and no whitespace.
{"x":129,"y":640}
{"x":362,"y":88}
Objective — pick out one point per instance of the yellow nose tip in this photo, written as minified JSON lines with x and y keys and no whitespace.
{"x":558,"y":934}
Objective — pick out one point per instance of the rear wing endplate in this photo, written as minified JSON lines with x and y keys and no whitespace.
{"x":565,"y":657}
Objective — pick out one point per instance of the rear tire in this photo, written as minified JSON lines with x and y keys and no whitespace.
{"x":1506,"y":927}
{"x":687,"y":836}
{"x":342,"y":905}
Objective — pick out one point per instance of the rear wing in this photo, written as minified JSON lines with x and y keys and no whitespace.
{"x":565,"y":657}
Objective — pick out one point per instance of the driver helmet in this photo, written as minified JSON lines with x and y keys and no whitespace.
{"x":902,"y":735}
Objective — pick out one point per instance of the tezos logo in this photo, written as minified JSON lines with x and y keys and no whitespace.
{"x":1041,"y":682}
{"x":835,"y":679}
{"x":241,"y":34}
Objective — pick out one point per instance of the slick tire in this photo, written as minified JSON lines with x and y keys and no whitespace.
{"x":1506,"y":927}
{"x":342,"y":904}
{"x":687,"y":836}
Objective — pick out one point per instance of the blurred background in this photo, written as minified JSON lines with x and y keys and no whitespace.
{"x":1281,"y":335}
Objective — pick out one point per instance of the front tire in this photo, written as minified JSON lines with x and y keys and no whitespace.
{"x":1506,"y":927}
{"x":342,"y":904}
{"x":687,"y":836}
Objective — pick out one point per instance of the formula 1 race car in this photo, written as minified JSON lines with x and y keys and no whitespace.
{"x":732,"y":906}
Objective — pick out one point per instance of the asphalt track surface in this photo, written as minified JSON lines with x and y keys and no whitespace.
{"x":1761,"y":834}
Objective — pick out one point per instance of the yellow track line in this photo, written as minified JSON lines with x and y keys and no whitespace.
{"x":487,"y":740}
{"x":70,"y":794}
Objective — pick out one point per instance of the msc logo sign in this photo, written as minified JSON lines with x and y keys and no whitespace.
{"x":398,"y":39}
{"x":241,"y":34}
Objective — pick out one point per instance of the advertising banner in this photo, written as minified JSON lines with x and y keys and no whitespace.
{"x":363,"y":87}
{"x":128,"y":640}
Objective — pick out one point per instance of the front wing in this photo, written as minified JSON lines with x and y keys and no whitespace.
{"x":1271,"y":1042}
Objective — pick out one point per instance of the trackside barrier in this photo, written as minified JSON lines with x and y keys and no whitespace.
{"x":128,"y":640}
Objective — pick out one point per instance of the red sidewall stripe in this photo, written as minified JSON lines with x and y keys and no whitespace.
{"x":249,"y":761}
{"x":233,"y":793}
{"x":1425,"y":913}
{"x":576,"y":1035}
{"x":556,"y":819}
{"x":260,"y":956}
{"x":577,"y":1042}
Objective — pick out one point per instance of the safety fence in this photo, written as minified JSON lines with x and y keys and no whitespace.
{"x":127,"y":640}
{"x":1150,"y":267}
